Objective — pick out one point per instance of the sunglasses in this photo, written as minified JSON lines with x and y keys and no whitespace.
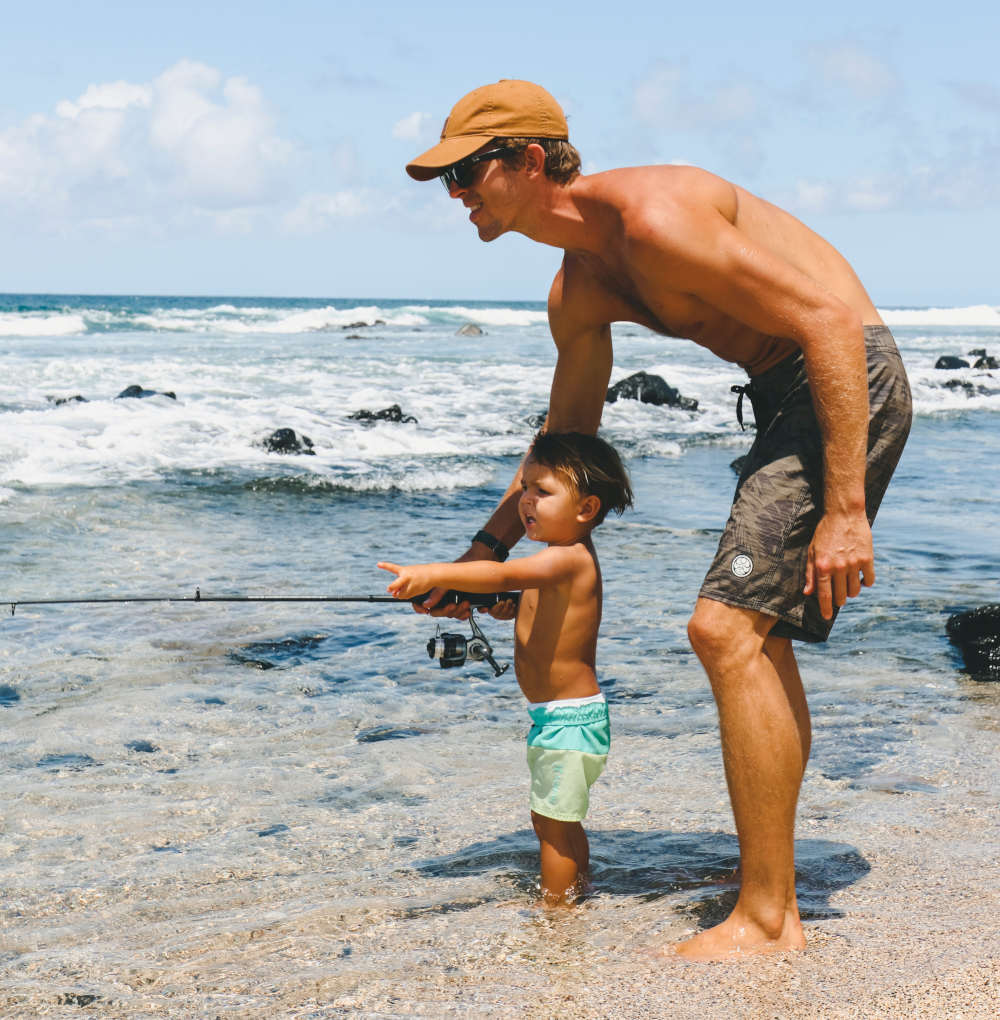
{"x":463,"y":173}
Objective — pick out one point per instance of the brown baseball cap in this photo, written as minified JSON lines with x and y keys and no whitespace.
{"x":508,"y":109}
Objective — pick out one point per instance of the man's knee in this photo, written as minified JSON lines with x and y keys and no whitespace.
{"x":718,"y":631}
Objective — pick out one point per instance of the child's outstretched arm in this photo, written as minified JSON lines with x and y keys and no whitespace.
{"x":543,"y":569}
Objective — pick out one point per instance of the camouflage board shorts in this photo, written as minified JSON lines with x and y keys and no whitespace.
{"x":761,"y":560}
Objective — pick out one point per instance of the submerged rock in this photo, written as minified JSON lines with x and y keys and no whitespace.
{"x":976,"y":632}
{"x":138,"y":393}
{"x":378,"y":733}
{"x":288,"y":441}
{"x":394,"y":413}
{"x":360,"y":324}
{"x":470,"y":329}
{"x":970,"y":389}
{"x":650,"y":389}
{"x":59,"y":401}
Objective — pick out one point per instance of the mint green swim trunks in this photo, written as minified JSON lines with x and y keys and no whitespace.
{"x":568,"y":747}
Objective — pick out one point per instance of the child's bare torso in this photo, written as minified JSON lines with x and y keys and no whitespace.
{"x":555,"y":636}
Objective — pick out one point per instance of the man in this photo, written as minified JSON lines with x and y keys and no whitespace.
{"x":690,"y":255}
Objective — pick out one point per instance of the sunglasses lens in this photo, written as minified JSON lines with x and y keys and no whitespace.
{"x":463,"y":173}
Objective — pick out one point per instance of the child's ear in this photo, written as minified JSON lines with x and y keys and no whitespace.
{"x":590,"y":507}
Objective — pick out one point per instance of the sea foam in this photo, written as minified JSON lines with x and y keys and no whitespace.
{"x":972,"y":315}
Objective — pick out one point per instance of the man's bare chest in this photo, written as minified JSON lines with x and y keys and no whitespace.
{"x":661,"y":309}
{"x":615,"y":295}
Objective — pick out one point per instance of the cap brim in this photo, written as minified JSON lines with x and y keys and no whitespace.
{"x":431,"y":163}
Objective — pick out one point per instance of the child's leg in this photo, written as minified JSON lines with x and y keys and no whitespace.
{"x":565,"y":855}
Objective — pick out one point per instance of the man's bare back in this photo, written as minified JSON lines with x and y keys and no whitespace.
{"x":631,"y":278}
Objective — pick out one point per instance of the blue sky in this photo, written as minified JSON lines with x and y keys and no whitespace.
{"x":258,"y":149}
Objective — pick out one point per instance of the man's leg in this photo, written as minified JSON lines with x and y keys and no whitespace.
{"x":764,"y":725}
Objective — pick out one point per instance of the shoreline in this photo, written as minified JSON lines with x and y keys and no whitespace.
{"x":907,"y":930}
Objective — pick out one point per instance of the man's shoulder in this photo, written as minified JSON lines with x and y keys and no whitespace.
{"x":637,"y":187}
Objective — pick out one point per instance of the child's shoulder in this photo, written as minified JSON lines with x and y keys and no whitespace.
{"x":580,"y":555}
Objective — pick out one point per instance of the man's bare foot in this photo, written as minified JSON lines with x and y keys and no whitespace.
{"x":738,"y":937}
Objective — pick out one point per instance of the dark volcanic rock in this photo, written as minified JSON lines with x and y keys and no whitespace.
{"x":288,"y":441}
{"x":59,"y":401}
{"x":394,"y":413}
{"x":987,"y":361}
{"x":138,"y":392}
{"x":977,"y":633}
{"x":950,"y":361}
{"x":970,"y":389}
{"x":650,"y":389}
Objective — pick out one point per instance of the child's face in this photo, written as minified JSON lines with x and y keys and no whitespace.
{"x":549,"y":507}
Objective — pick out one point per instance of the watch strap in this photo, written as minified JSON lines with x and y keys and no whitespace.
{"x":493,"y":544}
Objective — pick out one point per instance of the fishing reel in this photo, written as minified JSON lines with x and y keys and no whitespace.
{"x":453,"y":649}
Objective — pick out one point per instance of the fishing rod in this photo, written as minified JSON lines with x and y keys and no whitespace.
{"x":450,"y":649}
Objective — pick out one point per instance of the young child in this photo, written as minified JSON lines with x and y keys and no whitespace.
{"x":569,"y":483}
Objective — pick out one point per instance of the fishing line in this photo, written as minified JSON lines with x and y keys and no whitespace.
{"x":452,"y":598}
{"x":449,"y":649}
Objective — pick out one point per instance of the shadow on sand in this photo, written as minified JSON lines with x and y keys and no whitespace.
{"x":649,"y":865}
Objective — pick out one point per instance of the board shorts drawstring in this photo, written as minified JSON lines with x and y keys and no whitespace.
{"x":742,"y":391}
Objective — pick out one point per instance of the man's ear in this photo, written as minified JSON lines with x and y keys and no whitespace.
{"x":590,"y":507}
{"x":534,"y":159}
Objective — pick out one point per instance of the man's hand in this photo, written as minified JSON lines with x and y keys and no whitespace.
{"x":840,"y":551}
{"x":505,"y":610}
{"x":430,"y":607}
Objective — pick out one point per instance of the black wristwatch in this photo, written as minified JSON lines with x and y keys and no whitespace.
{"x":492,"y":543}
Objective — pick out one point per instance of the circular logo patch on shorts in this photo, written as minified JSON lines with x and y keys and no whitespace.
{"x":742,"y":565}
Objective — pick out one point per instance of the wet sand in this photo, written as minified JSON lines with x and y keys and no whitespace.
{"x":403,"y":908}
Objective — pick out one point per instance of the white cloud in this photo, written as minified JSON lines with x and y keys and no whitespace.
{"x":676,"y":112}
{"x":668,"y":97}
{"x":222,"y":148}
{"x":852,"y":66}
{"x":189,"y":142}
{"x":317,"y":211}
{"x":412,"y":127}
{"x":865,"y":194}
{"x":812,"y":196}
{"x":655,"y":97}
{"x":118,"y":95}
{"x":868,"y":195}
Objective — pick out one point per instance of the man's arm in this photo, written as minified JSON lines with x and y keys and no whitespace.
{"x":576,"y":402}
{"x":713,"y":261}
{"x":579,"y":382}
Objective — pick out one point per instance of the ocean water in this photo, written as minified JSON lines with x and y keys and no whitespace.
{"x":228,"y":806}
